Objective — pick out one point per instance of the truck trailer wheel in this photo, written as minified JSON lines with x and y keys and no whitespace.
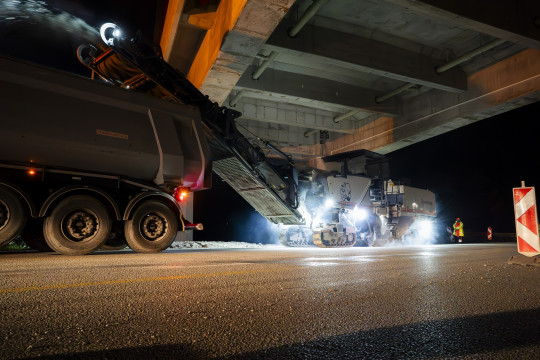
{"x":12,"y":216}
{"x":152,"y":228}
{"x":78,"y":225}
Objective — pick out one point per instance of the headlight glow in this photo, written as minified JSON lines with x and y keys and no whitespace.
{"x":359,"y":214}
{"x":329,"y":202}
{"x":109,"y":32}
{"x":425,"y":228}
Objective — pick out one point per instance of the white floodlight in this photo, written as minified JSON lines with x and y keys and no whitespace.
{"x":425,"y":228}
{"x":329,"y":202}
{"x":359,"y":214}
{"x":109,"y":32}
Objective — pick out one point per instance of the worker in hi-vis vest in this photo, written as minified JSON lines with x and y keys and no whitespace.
{"x":458,"y":230}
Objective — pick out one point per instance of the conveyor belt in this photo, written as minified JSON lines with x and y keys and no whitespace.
{"x":258,"y":195}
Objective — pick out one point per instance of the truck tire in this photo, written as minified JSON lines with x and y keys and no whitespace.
{"x":78,"y":225}
{"x":152,"y":228}
{"x":12,"y":216}
{"x":33,"y":236}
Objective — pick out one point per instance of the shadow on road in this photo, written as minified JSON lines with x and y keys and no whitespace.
{"x":481,"y":335}
{"x":450,"y":338}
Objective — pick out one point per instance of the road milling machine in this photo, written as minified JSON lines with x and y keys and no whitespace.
{"x":349,"y":199}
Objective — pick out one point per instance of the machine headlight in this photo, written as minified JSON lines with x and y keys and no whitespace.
{"x":359,"y":214}
{"x":329,"y":202}
{"x":109,"y":32}
{"x":425,"y":228}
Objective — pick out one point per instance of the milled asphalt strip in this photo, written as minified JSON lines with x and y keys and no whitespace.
{"x":132,"y":281}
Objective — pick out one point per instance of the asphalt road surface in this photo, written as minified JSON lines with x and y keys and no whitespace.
{"x":434,"y":302}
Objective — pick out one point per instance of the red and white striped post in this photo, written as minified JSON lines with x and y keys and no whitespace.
{"x":490,"y":233}
{"x":528,"y":241}
{"x":450,"y":234}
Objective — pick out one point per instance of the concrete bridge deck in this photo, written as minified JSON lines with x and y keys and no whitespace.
{"x":376,"y":75}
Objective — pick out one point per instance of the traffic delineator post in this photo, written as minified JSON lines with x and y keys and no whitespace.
{"x":490,"y":233}
{"x":525,"y":214}
{"x":450,"y":233}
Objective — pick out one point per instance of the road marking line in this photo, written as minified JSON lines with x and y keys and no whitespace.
{"x":131,"y":281}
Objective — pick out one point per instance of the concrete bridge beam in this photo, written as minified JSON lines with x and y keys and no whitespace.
{"x":297,"y":86}
{"x":514,"y":21}
{"x":504,"y":86}
{"x":294,"y":116}
{"x":317,"y":44}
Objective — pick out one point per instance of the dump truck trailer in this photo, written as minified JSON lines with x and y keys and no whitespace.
{"x":82,"y":162}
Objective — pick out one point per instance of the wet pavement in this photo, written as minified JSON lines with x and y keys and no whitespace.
{"x":431,"y":302}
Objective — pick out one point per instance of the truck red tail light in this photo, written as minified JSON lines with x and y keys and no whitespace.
{"x":180,"y":194}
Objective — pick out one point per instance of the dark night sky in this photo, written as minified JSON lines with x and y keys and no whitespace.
{"x":472,"y":170}
{"x":47,"y":32}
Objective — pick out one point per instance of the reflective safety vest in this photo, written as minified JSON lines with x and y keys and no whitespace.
{"x":458,"y":228}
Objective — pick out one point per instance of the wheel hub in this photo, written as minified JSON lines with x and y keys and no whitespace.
{"x":80,"y":225}
{"x":4,"y":214}
{"x":153,"y":227}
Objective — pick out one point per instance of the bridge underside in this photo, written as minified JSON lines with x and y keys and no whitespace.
{"x":323,"y":77}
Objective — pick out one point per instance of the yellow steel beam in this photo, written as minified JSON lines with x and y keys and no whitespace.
{"x":226,"y":16}
{"x":170,"y":27}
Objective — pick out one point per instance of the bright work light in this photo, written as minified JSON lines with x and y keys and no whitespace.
{"x":109,"y":32}
{"x":425,"y":228}
{"x":359,"y":214}
{"x":329,"y":202}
